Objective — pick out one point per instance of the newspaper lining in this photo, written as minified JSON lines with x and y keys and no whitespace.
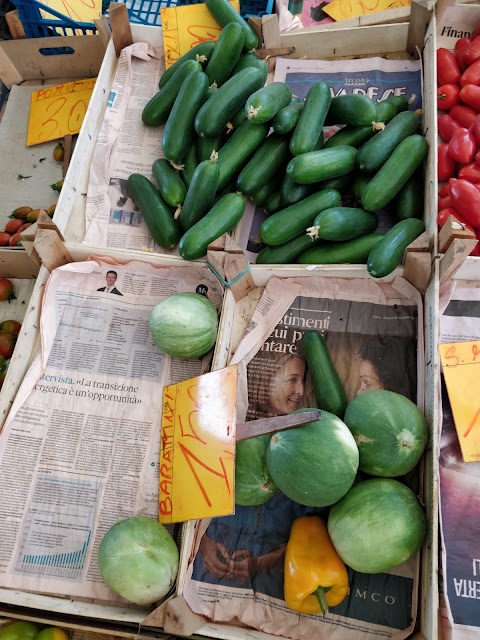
{"x":236,"y":568}
{"x":80,"y":448}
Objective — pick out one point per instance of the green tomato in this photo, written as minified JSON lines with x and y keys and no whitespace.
{"x":19,"y":631}
{"x":51,"y":633}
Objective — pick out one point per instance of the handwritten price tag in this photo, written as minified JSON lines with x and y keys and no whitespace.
{"x":461,"y":368}
{"x":186,"y":26}
{"x":58,"y":111}
{"x":197,"y":448}
{"x":344,"y":9}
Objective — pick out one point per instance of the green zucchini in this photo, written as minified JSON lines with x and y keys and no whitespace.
{"x":286,"y":253}
{"x":286,"y":119}
{"x":399,"y":102}
{"x":222,"y":217}
{"x":200,"y":53}
{"x":391,"y":177}
{"x":350,"y":252}
{"x":265,"y":103}
{"x":339,"y":224}
{"x":251,"y":60}
{"x":207,"y":145}
{"x":327,"y":387}
{"x":350,"y":136}
{"x":266,"y":162}
{"x":226,"y":54}
{"x":292,"y":192}
{"x":157,"y":108}
{"x":179,"y":131}
{"x":190,"y":163}
{"x":309,"y":126}
{"x":324,"y":164}
{"x":240,"y":146}
{"x":155,"y":213}
{"x":170,"y":185}
{"x":214,"y":115}
{"x":409,"y":201}
{"x":375,"y":151}
{"x":290,"y":222}
{"x":223,"y":12}
{"x":386,"y":111}
{"x":201,"y":192}
{"x":352,"y":109}
{"x":359,"y":185}
{"x":273,"y":204}
{"x":387,"y":255}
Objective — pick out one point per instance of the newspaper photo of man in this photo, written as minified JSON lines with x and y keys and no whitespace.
{"x":110,"y":287}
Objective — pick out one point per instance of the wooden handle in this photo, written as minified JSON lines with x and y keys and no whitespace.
{"x":247,"y":430}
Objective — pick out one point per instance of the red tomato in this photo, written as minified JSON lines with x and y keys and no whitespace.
{"x":13,"y":226}
{"x":462,"y":146}
{"x":445,"y":203}
{"x":470,"y":94}
{"x":7,"y":344}
{"x":446,"y":126}
{"x":470,"y":172}
{"x":472,"y":54}
{"x":444,"y":191}
{"x":10,"y":326}
{"x":466,"y":200}
{"x":6,"y":290}
{"x":446,"y":164}
{"x":477,"y":158}
{"x":461,"y":46}
{"x":447,"y":96}
{"x":444,"y":214}
{"x":14,"y":240}
{"x":4,"y":239}
{"x":447,"y":68}
{"x":465,"y":116}
{"x":24,"y":226}
{"x":471,"y":75}
{"x":475,"y":130}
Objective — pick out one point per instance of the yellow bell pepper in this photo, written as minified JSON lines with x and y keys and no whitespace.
{"x":315,"y":576}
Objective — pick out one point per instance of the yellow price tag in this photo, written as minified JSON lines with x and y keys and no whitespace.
{"x":186,"y":26}
{"x":461,"y":369}
{"x":79,"y":10}
{"x":197,"y":448}
{"x":58,"y":111}
{"x":344,"y":9}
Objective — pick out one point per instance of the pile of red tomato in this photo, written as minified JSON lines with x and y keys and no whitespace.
{"x":9,"y":330}
{"x":21,"y":219}
{"x":458,"y":100}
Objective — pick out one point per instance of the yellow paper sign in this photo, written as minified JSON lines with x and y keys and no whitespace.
{"x":197,"y":448}
{"x":78,"y":10}
{"x":344,"y":9}
{"x":186,"y":26}
{"x":461,"y":369}
{"x":58,"y":111}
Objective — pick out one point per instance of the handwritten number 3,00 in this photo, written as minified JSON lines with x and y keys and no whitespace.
{"x":48,"y":134}
{"x":74,"y":119}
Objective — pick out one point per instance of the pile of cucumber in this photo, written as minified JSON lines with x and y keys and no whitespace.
{"x":227,"y":137}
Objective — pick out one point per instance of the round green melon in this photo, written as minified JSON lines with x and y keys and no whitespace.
{"x":315,"y":464}
{"x":253,"y":482}
{"x":184,"y":325}
{"x":390,"y":432}
{"x":377,"y":526}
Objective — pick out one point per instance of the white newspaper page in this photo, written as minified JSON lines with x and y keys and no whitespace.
{"x":80,"y":449}
{"x":459,"y":490}
{"x":374,"y":333}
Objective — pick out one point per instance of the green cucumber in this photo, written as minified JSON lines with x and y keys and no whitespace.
{"x":228,"y":188}
{"x":155,"y":213}
{"x":214,"y":115}
{"x":273,"y":204}
{"x":223,"y":12}
{"x":286,"y":119}
{"x":340,"y":224}
{"x":350,"y":136}
{"x":328,"y":389}
{"x":211,"y":92}
{"x":286,"y":253}
{"x":207,"y":145}
{"x":375,"y":151}
{"x":190,"y":163}
{"x":170,"y":185}
{"x":350,"y":252}
{"x":391,"y":177}
{"x":309,"y":126}
{"x":409,"y":201}
{"x":352,"y":109}
{"x":324,"y":164}
{"x":265,"y":103}
{"x":201,"y":192}
{"x":251,"y":60}
{"x":266,"y":162}
{"x":359,"y":185}
{"x":235,"y":153}
{"x":157,"y":108}
{"x":340,"y":183}
{"x":222,"y":217}
{"x":260,"y":197}
{"x":399,"y":102}
{"x":386,"y":111}
{"x":290,"y":222}
{"x":236,"y":121}
{"x":200,"y":53}
{"x":292,"y":192}
{"x":226,"y":54}
{"x":387,"y":255}
{"x":179,"y":131}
